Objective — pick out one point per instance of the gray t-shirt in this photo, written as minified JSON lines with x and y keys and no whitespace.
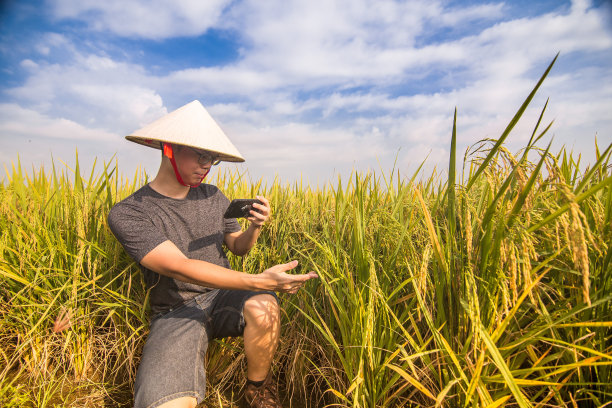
{"x":194,"y":224}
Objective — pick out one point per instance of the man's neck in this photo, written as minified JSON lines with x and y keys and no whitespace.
{"x":166,"y":184}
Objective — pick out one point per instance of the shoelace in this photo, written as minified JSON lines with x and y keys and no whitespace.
{"x":266,"y":397}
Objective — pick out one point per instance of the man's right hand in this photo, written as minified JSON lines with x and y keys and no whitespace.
{"x":276,"y":278}
{"x":167,"y":259}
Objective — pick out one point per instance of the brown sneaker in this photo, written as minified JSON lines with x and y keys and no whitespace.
{"x":264,"y":396}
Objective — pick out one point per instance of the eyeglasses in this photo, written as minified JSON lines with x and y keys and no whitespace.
{"x":206,"y":157}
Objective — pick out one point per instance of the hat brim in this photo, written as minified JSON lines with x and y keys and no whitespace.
{"x":156,"y":144}
{"x":189,"y":125}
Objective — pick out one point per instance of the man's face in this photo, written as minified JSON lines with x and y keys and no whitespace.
{"x":193,"y":164}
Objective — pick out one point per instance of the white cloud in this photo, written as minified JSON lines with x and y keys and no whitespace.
{"x":470,"y":13}
{"x":40,"y":141}
{"x":223,"y":80}
{"x":330,"y":41}
{"x":373,"y":44}
{"x":289,"y":103}
{"x":52,"y":43}
{"x":154,"y":19}
{"x":93,"y":90}
{"x":28,"y":64}
{"x":580,"y":30}
{"x":21,"y":123}
{"x":295,"y":150}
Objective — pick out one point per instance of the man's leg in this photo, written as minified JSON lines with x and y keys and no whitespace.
{"x":261,"y":334}
{"x":184,"y":402}
{"x":171,"y":369}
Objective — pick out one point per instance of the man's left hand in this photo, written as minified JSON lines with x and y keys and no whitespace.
{"x":260,"y":212}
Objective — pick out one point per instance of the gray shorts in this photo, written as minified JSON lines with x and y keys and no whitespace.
{"x":172,"y":364}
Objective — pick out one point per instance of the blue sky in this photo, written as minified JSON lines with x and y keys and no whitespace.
{"x":310,"y":89}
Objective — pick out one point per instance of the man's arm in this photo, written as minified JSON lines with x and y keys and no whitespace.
{"x":167,"y":259}
{"x":241,"y":242}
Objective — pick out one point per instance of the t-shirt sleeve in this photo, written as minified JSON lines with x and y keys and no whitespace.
{"x":134,"y":230}
{"x":229,"y":224}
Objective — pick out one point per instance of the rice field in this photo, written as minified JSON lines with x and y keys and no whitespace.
{"x":485,"y":287}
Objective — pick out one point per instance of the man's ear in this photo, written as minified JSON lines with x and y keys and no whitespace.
{"x":175,"y":148}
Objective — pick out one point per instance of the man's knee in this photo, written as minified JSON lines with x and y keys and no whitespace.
{"x":262,"y":310}
{"x":183,"y":402}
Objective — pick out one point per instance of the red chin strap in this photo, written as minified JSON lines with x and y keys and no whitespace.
{"x":169,"y":153}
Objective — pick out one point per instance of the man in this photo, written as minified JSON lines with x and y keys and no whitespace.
{"x":174,"y":228}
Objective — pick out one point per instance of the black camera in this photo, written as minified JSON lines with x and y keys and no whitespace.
{"x":241,"y":207}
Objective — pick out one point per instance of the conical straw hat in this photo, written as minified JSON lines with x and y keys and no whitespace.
{"x":189,"y":125}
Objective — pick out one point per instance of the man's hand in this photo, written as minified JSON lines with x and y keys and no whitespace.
{"x":260,"y":213}
{"x":241,"y":242}
{"x":168,"y":260}
{"x":276,"y":278}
